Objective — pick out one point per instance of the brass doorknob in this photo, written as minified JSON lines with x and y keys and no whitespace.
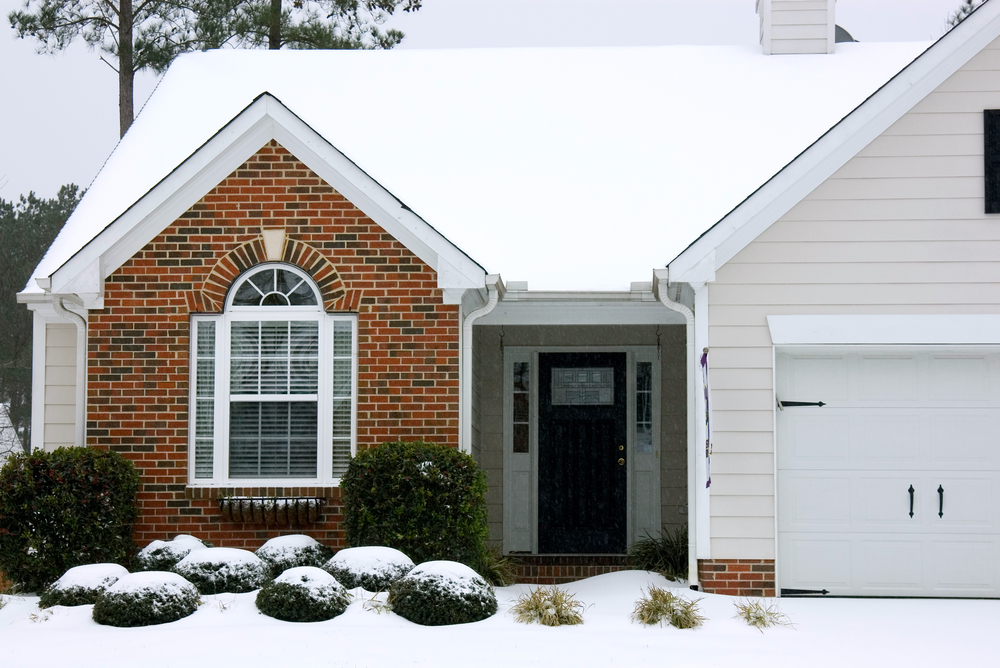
{"x":621,"y":461}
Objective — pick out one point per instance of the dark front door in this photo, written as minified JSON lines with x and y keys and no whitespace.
{"x":582,"y":476}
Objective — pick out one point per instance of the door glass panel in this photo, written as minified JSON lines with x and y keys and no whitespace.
{"x":644,"y":407}
{"x":522,"y":412}
{"x":583,"y":387}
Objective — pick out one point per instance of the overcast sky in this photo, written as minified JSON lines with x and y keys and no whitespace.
{"x":59,"y":118}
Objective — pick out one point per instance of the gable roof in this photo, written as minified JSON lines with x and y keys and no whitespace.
{"x":765,"y":205}
{"x":569,"y":168}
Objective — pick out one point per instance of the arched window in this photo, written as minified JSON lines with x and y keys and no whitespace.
{"x":273,"y":397}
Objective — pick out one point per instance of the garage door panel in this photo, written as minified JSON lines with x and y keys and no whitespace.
{"x":808,"y":502}
{"x":966,"y":504}
{"x":959,"y":379}
{"x":890,"y":378}
{"x":963,"y":439}
{"x":920,"y":416}
{"x":818,"y":440}
{"x":816,"y":562}
{"x":889,"y":567}
{"x":964,"y":566}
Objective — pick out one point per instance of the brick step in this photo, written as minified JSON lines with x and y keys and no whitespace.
{"x":547,"y":569}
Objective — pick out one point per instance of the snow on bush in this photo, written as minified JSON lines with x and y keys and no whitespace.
{"x":374,"y":568}
{"x":161,"y":555}
{"x":303,"y":594}
{"x":143,"y":599}
{"x":215,"y":570}
{"x":286,"y":552}
{"x":81,"y":585}
{"x":436,"y":593}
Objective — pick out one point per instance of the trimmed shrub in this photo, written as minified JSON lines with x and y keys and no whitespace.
{"x":373,"y":568}
{"x":65,"y":508}
{"x":303,"y":594}
{"x":549,"y":606}
{"x":436,"y":593}
{"x":81,"y":585}
{"x":216,"y":570}
{"x":427,"y":500}
{"x":661,"y":605}
{"x":286,"y":552}
{"x":162,"y":555}
{"x":666,"y":554}
{"x":143,"y":599}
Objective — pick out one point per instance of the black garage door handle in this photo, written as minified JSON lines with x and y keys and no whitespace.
{"x":911,"y":500}
{"x":940,"y":501}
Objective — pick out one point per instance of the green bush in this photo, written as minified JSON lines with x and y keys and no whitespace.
{"x":666,"y":554}
{"x":436,"y":593}
{"x":81,"y":585}
{"x":163,"y":555}
{"x":286,"y":552}
{"x":303,"y":594}
{"x":143,"y":599}
{"x":424,"y":499}
{"x":65,"y":508}
{"x":374,"y":568}
{"x":217,"y":570}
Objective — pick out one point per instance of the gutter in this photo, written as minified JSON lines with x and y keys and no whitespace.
{"x":661,"y":287}
{"x":493,"y":286}
{"x":79,"y":426}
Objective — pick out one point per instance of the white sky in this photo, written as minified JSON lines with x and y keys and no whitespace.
{"x":59,"y":119}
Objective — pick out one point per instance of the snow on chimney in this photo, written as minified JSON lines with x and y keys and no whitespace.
{"x":797,"y":26}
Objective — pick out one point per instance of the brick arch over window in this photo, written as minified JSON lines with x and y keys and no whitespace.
{"x":331,"y":286}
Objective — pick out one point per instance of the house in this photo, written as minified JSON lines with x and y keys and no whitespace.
{"x":291,"y":256}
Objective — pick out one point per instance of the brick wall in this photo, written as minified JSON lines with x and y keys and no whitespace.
{"x":737,"y":577}
{"x":138,"y":344}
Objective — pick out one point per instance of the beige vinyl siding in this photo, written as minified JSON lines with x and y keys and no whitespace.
{"x":796,"y":26}
{"x":60,"y":385}
{"x":900,"y":228}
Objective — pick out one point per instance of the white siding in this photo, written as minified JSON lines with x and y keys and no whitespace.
{"x":796,"y":26}
{"x":900,"y":228}
{"x":60,"y":385}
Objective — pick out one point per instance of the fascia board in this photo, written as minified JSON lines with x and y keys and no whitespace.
{"x":841,"y":143}
{"x":265,"y":119}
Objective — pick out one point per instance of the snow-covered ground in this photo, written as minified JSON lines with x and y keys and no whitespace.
{"x":228,"y":630}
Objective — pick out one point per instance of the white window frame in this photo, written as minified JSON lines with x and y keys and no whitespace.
{"x":324,"y":396}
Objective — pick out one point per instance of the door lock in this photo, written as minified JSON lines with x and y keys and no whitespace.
{"x":621,"y":447}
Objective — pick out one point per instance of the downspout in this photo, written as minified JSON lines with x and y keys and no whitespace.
{"x":465,"y":412}
{"x":81,"y":368}
{"x":661,"y":283}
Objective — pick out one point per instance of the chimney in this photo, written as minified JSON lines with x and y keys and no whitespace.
{"x":797,"y":26}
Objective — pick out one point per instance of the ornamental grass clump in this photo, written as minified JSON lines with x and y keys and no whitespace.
{"x":666,"y":554}
{"x":162,"y":555}
{"x":286,"y":552}
{"x":81,"y":585}
{"x":549,"y":606}
{"x":424,"y":499}
{"x":65,"y":508}
{"x":144,"y":599}
{"x":303,"y":594}
{"x":497,"y":568}
{"x":216,"y":570}
{"x":761,"y":616}
{"x":373,"y":568}
{"x":661,"y":605}
{"x":437,"y":593}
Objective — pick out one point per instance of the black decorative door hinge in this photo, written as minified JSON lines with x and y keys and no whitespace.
{"x":804,"y":592}
{"x":793,"y":404}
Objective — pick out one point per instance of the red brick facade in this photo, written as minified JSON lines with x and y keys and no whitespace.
{"x":138,"y":366}
{"x":737,"y":577}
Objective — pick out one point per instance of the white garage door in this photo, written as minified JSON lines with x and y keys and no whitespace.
{"x":896,"y":419}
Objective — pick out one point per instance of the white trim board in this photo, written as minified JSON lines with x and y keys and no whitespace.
{"x":884,"y":329}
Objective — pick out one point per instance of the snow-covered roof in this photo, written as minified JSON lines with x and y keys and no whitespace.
{"x":569,"y":168}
